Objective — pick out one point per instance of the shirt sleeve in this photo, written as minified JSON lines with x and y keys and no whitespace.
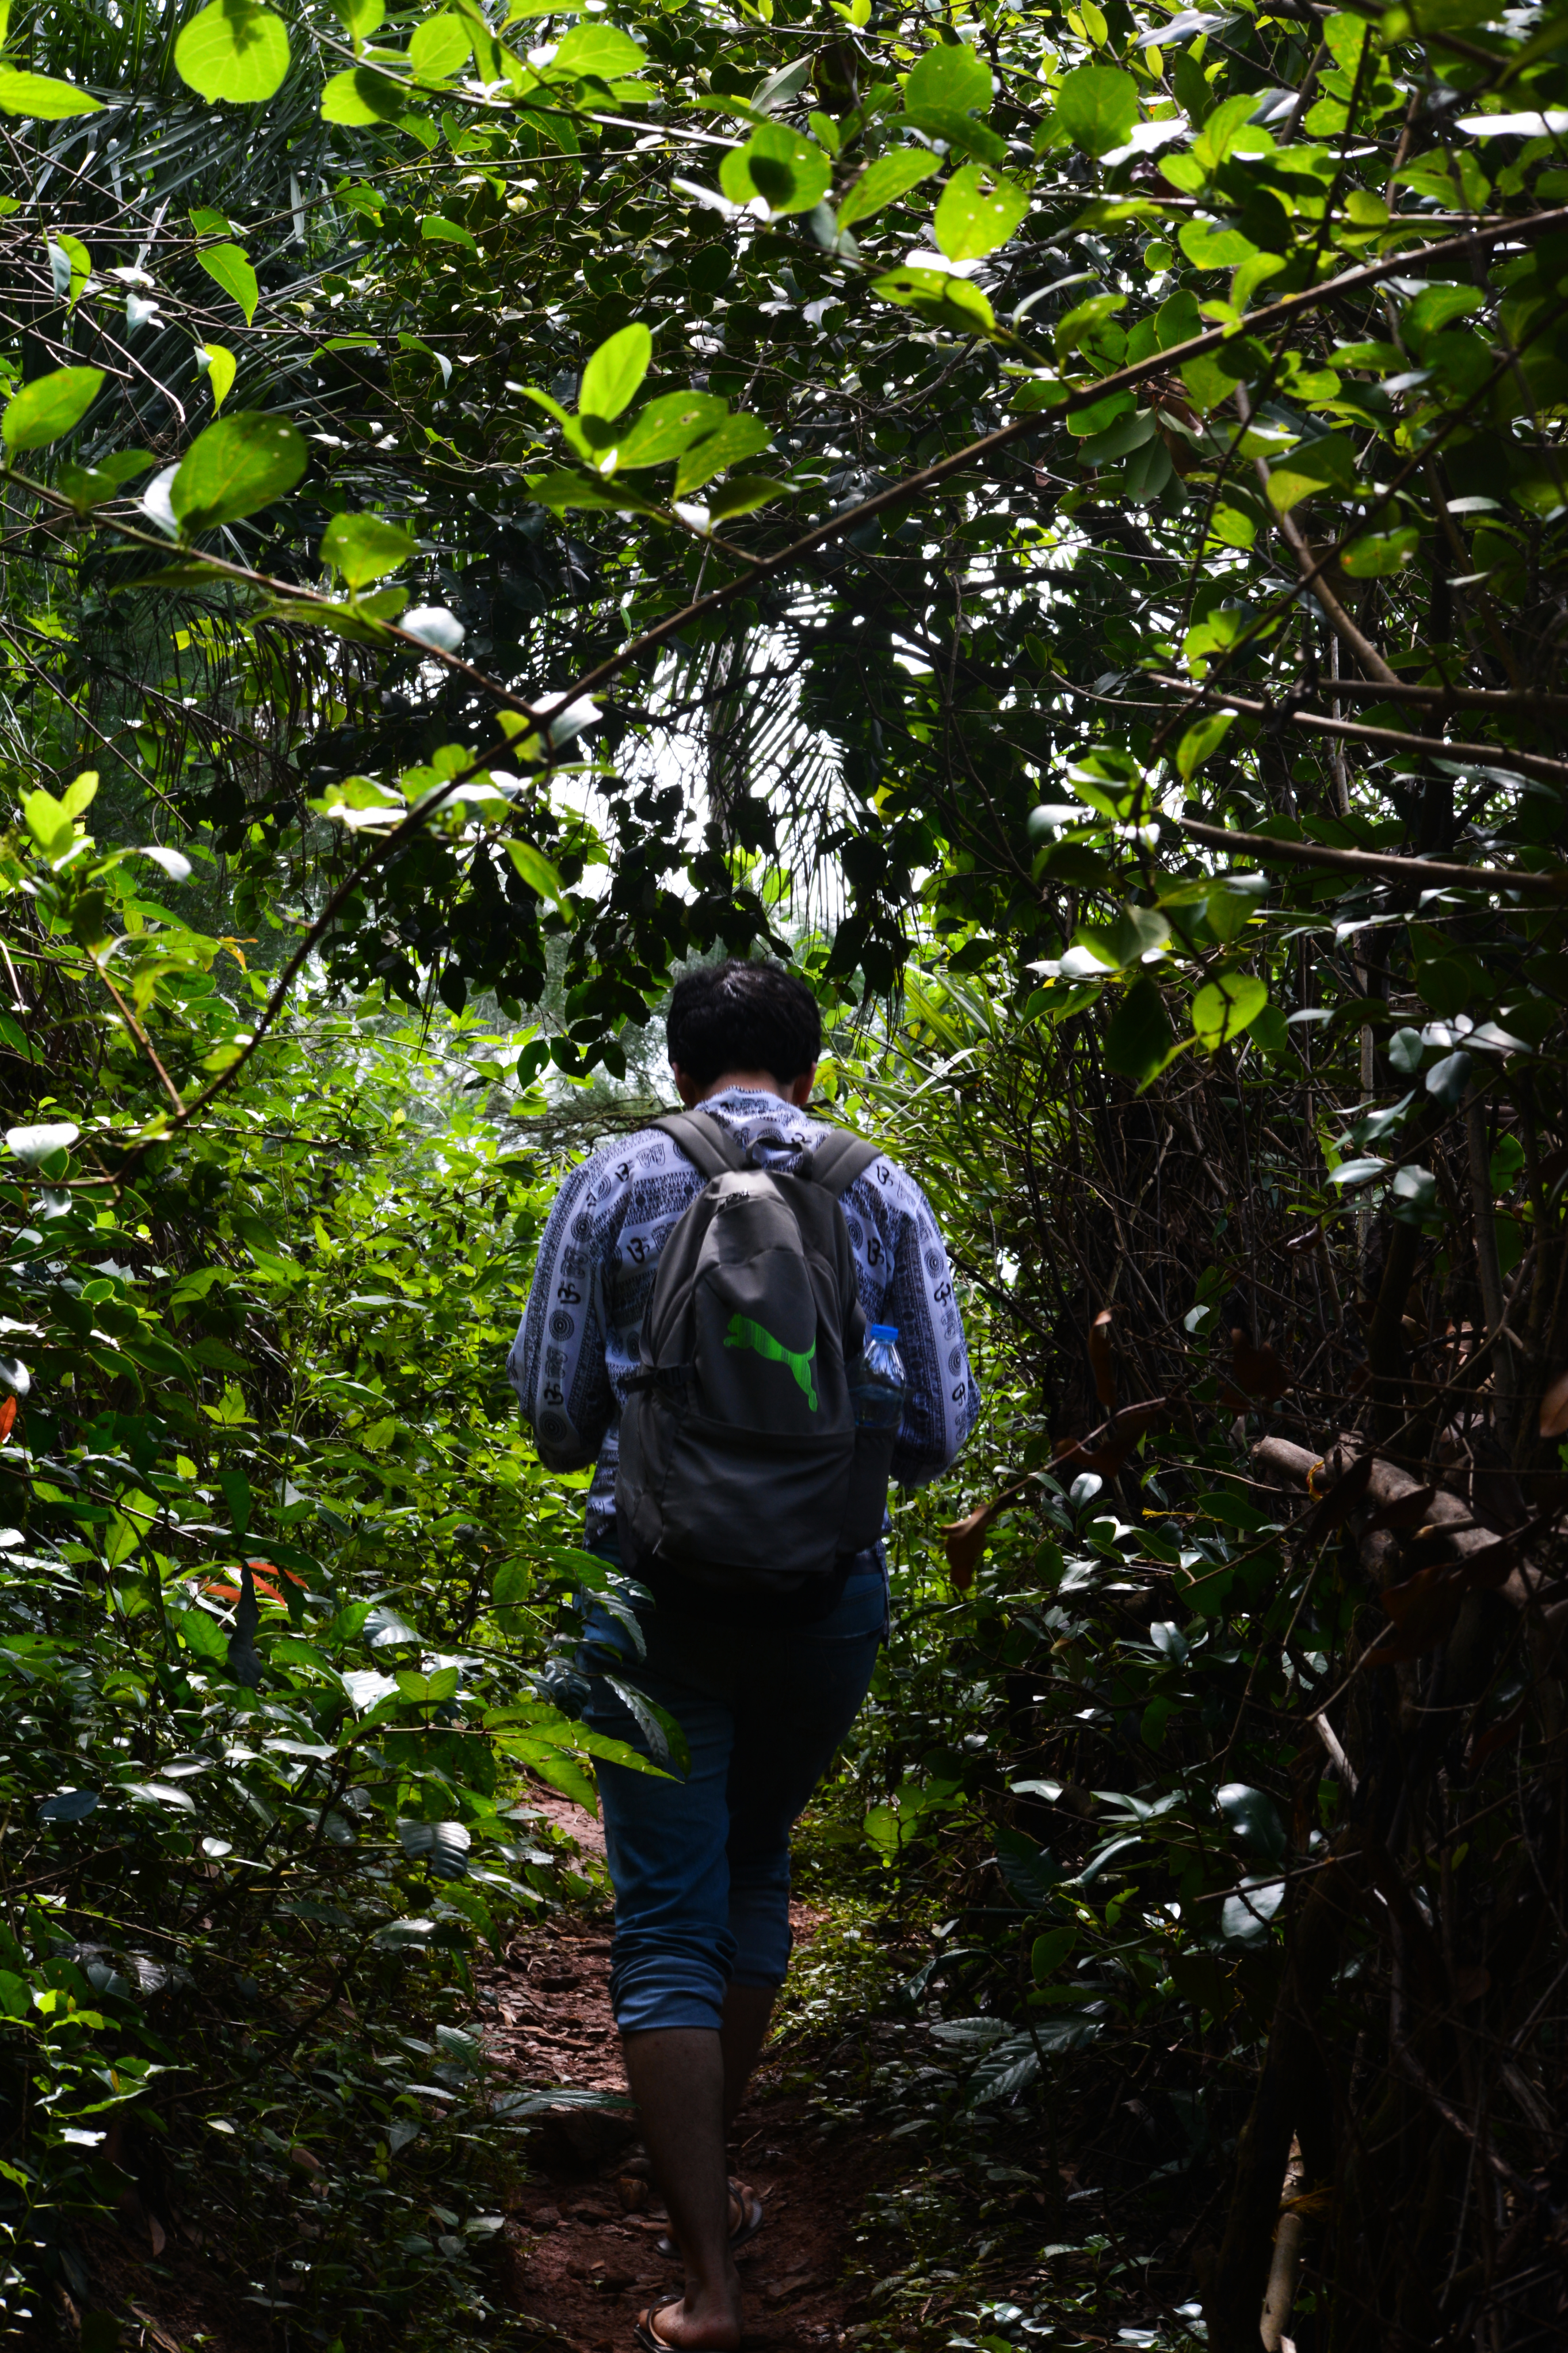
{"x":557,"y":1361}
{"x":943,"y":1400}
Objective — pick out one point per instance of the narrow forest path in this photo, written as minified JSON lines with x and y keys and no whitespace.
{"x":580,"y":2255}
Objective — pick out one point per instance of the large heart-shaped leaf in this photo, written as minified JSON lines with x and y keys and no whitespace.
{"x":234,"y":50}
{"x":237,"y":467}
{"x":792,"y":174}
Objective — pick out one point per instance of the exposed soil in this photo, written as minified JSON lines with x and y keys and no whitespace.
{"x":579,"y":2256}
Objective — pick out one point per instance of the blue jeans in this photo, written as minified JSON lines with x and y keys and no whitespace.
{"x":700,"y":1867}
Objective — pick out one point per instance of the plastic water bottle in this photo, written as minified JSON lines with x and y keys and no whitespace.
{"x":877,"y":1386}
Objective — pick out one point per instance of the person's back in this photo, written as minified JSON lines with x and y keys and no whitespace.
{"x":764,"y":1674}
{"x":577,"y":1356}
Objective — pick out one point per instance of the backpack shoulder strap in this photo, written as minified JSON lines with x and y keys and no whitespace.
{"x":710,"y":1148}
{"x":836,"y":1162}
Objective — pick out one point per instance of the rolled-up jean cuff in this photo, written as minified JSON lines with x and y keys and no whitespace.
{"x":649,"y":1990}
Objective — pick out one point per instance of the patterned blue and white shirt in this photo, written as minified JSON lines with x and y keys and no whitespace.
{"x":577,"y":1346}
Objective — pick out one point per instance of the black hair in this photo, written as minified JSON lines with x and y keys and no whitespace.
{"x":738,"y":1016}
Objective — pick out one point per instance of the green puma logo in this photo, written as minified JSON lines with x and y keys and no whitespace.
{"x":744,"y":1333}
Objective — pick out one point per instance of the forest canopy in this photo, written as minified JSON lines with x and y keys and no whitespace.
{"x":1048,"y":520}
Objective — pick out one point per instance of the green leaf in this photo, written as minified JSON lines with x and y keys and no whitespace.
{"x":47,"y":408}
{"x":1208,"y":245}
{"x":234,"y":50}
{"x":564,"y":1774}
{"x":363,"y":547}
{"x":1048,"y":1953}
{"x":886,"y":1828}
{"x":427,"y":1691}
{"x":227,"y":265}
{"x":792,"y":174}
{"x":512,"y":1587}
{"x":1437,"y":307}
{"x":89,"y":486}
{"x":950,"y":301}
{"x":200,"y":1634}
{"x":235,"y":468}
{"x":562,"y":490}
{"x":978,"y":212}
{"x":737,"y":438}
{"x":1138,"y":1036}
{"x":600,"y":50}
{"x":1225,"y":1006}
{"x":237,"y":1496}
{"x":363,"y":17}
{"x":439,"y":48}
{"x":1203,"y":738}
{"x":436,"y":230}
{"x":42,"y":96}
{"x":742,"y":493}
{"x":1255,"y":1819}
{"x":540,"y":875}
{"x":222,"y":366}
{"x":669,"y":426}
{"x":442,"y":1846}
{"x":70,"y":258}
{"x":615,"y":371}
{"x":965,"y":131}
{"x":359,"y":97}
{"x":883,"y":182}
{"x":949,"y":75}
{"x":1030,"y":1871}
{"x":1077,"y":325}
{"x":1376,"y":554}
{"x":1226,"y":128}
{"x":1097,"y":106}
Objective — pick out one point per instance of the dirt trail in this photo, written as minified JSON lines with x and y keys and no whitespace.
{"x":580,"y":2255}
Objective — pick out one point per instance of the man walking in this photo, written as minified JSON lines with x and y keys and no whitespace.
{"x":763,"y":1668}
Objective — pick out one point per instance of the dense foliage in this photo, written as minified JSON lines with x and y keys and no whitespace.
{"x":1056,"y":515}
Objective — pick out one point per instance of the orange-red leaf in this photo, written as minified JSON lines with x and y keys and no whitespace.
{"x":1404,"y":1512}
{"x":1258,"y":1371}
{"x":1489,"y":1567}
{"x":1498,"y":1736}
{"x":8,"y":1418}
{"x":1423,"y":1609}
{"x":965,"y":1541}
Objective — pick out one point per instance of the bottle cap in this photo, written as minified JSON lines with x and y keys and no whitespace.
{"x":884,"y":1332}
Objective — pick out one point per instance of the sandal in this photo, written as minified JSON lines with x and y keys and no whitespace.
{"x":750,"y":2223}
{"x":647,"y":2336}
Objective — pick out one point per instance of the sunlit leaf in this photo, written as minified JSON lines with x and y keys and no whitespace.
{"x":885,"y":181}
{"x":978,"y":213}
{"x":615,"y":371}
{"x":228,"y":266}
{"x":235,"y":467}
{"x":366,"y":547}
{"x":43,"y":97}
{"x":1226,"y":1006}
{"x":1097,"y":106}
{"x":49,"y":407}
{"x":792,"y":174}
{"x":235,"y":51}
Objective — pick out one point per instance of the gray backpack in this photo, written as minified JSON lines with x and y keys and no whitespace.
{"x":740,"y":1466}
